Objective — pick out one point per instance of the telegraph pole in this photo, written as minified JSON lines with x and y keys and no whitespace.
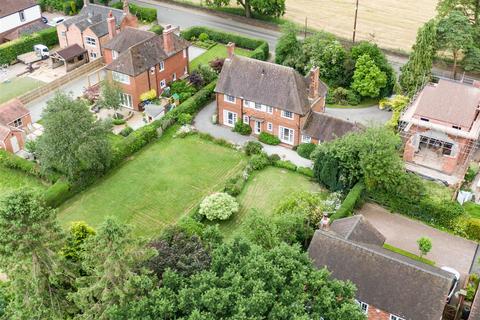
{"x":355,"y":22}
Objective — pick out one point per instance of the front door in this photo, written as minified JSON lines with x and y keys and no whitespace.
{"x":258,"y":127}
{"x":15,"y":146}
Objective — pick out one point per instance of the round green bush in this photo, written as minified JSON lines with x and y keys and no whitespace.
{"x":253,"y":147}
{"x":259,"y":161}
{"x":268,"y":138}
{"x":126,"y":131}
{"x":304,"y":150}
{"x":185,"y":118}
{"x":158,"y":29}
{"x":218,"y":206}
{"x":353,"y":98}
{"x":203,"y":36}
{"x":118,"y":122}
{"x":242,"y":128}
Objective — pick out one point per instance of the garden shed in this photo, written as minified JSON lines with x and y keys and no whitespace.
{"x":71,"y":57}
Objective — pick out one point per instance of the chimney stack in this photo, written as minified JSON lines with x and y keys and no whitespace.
{"x":230,"y":50}
{"x":314,"y":83}
{"x":168,"y":38}
{"x":126,"y":8}
{"x":112,"y":28}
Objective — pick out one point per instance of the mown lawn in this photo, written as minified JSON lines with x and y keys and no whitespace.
{"x":264,"y":191}
{"x":472,"y":209}
{"x":13,"y":179}
{"x":17,"y":87}
{"x":157,"y":186}
{"x":217,"y":51}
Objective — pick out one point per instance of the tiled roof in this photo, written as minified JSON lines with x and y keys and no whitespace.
{"x":146,"y":54}
{"x":4,"y":132}
{"x":325,"y":127}
{"x":71,"y":51}
{"x":384,"y":279}
{"x":8,"y":7}
{"x":93,"y":14}
{"x":127,"y":38}
{"x":11,"y":111}
{"x":26,"y":29}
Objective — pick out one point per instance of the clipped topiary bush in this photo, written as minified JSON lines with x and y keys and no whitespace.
{"x":304,"y":150}
{"x":218,"y":206}
{"x":242,"y":128}
{"x":253,"y":147}
{"x":268,"y":138}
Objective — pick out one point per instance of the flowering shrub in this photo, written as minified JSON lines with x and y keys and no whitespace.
{"x":218,"y":206}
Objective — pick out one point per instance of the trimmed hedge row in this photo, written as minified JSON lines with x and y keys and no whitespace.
{"x":58,"y":193}
{"x":12,"y":161}
{"x":352,"y":200}
{"x":10,"y":50}
{"x":472,"y":229}
{"x":142,"y":13}
{"x":260,"y":47}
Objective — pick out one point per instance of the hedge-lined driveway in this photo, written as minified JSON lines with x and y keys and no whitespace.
{"x":402,"y":232}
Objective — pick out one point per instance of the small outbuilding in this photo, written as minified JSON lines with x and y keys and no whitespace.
{"x":71,"y":57}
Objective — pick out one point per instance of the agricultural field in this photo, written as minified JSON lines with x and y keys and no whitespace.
{"x":392,"y":24}
{"x":158,"y":186}
{"x":11,"y":180}
{"x":264,"y":191}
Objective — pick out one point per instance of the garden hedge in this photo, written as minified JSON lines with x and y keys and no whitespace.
{"x":10,"y":50}
{"x":472,"y":229}
{"x":260,"y":47}
{"x":58,"y":193}
{"x":142,"y":13}
{"x":352,"y":200}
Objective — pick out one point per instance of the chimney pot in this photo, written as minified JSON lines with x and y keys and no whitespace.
{"x":168,"y":38}
{"x":230,"y":50}
{"x":314,"y":83}
{"x":112,"y":28}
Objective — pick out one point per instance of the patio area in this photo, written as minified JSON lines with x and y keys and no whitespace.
{"x":134,"y":119}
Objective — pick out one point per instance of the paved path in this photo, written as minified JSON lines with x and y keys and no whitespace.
{"x":203,"y":123}
{"x":403,"y":233}
{"x":366,"y":116}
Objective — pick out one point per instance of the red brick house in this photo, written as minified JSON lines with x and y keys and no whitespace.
{"x":19,"y":17}
{"x":390,"y":286}
{"x":14,"y":121}
{"x":441,"y":127}
{"x":140,"y":61}
{"x":89,"y":29}
{"x":275,"y":99}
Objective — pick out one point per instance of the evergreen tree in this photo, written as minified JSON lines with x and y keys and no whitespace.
{"x":30,"y":239}
{"x":418,"y":69}
{"x":368,"y":79}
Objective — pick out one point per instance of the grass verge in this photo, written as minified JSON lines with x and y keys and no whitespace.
{"x":408,"y":254}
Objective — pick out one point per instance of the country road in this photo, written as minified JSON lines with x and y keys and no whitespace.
{"x":188,"y":17}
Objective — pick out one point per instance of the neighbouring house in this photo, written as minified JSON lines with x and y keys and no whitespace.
{"x":141,"y":61}
{"x":14,"y":122}
{"x":19,"y":17}
{"x":276,"y":99}
{"x":390,"y":286}
{"x":441,"y":127}
{"x":91,"y":29}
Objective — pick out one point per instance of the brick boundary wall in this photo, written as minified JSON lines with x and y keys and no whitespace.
{"x":57,"y":83}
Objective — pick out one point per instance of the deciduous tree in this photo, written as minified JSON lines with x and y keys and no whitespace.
{"x":424,"y":245}
{"x":273,"y":8}
{"x":73,"y":143}
{"x":289,"y":49}
{"x":368,"y":79}
{"x":110,"y":96}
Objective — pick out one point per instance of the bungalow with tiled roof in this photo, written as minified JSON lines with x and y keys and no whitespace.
{"x":276,"y":99}
{"x":390,"y":286}
{"x":141,"y":61}
{"x":91,"y":29}
{"x":14,"y":121}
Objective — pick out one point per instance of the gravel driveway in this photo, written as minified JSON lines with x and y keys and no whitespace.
{"x":402,"y":232}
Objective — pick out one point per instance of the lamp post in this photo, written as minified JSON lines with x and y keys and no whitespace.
{"x":355,"y":22}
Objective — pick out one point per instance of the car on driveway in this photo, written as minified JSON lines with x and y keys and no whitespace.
{"x":56,"y":21}
{"x":455,"y":281}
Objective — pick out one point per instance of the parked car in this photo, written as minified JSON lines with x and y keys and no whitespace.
{"x":455,"y":281}
{"x":56,"y":21}
{"x":44,"y":20}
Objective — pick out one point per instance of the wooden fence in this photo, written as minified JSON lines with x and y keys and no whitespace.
{"x":57,"y":83}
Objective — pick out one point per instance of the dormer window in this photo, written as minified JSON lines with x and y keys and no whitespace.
{"x":425,"y":119}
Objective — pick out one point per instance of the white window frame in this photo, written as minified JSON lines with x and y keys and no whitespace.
{"x":281,"y":136}
{"x":258,"y":106}
{"x":161,"y":65}
{"x":269,"y":109}
{"x":90,"y":41}
{"x":229,"y":98}
{"x":363,"y":306}
{"x":269,"y":126}
{"x":18,"y":123}
{"x":93,"y":55}
{"x":257,"y":126}
{"x":120,"y":77}
{"x":114,"y":54}
{"x":246,"y":120}
{"x":226,"y":118}
{"x":22,"y":15}
{"x":306,"y":139}
{"x":126,"y":100}
{"x":163,"y":84}
{"x":247,"y":103}
{"x":394,"y":317}
{"x":285,"y":113}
